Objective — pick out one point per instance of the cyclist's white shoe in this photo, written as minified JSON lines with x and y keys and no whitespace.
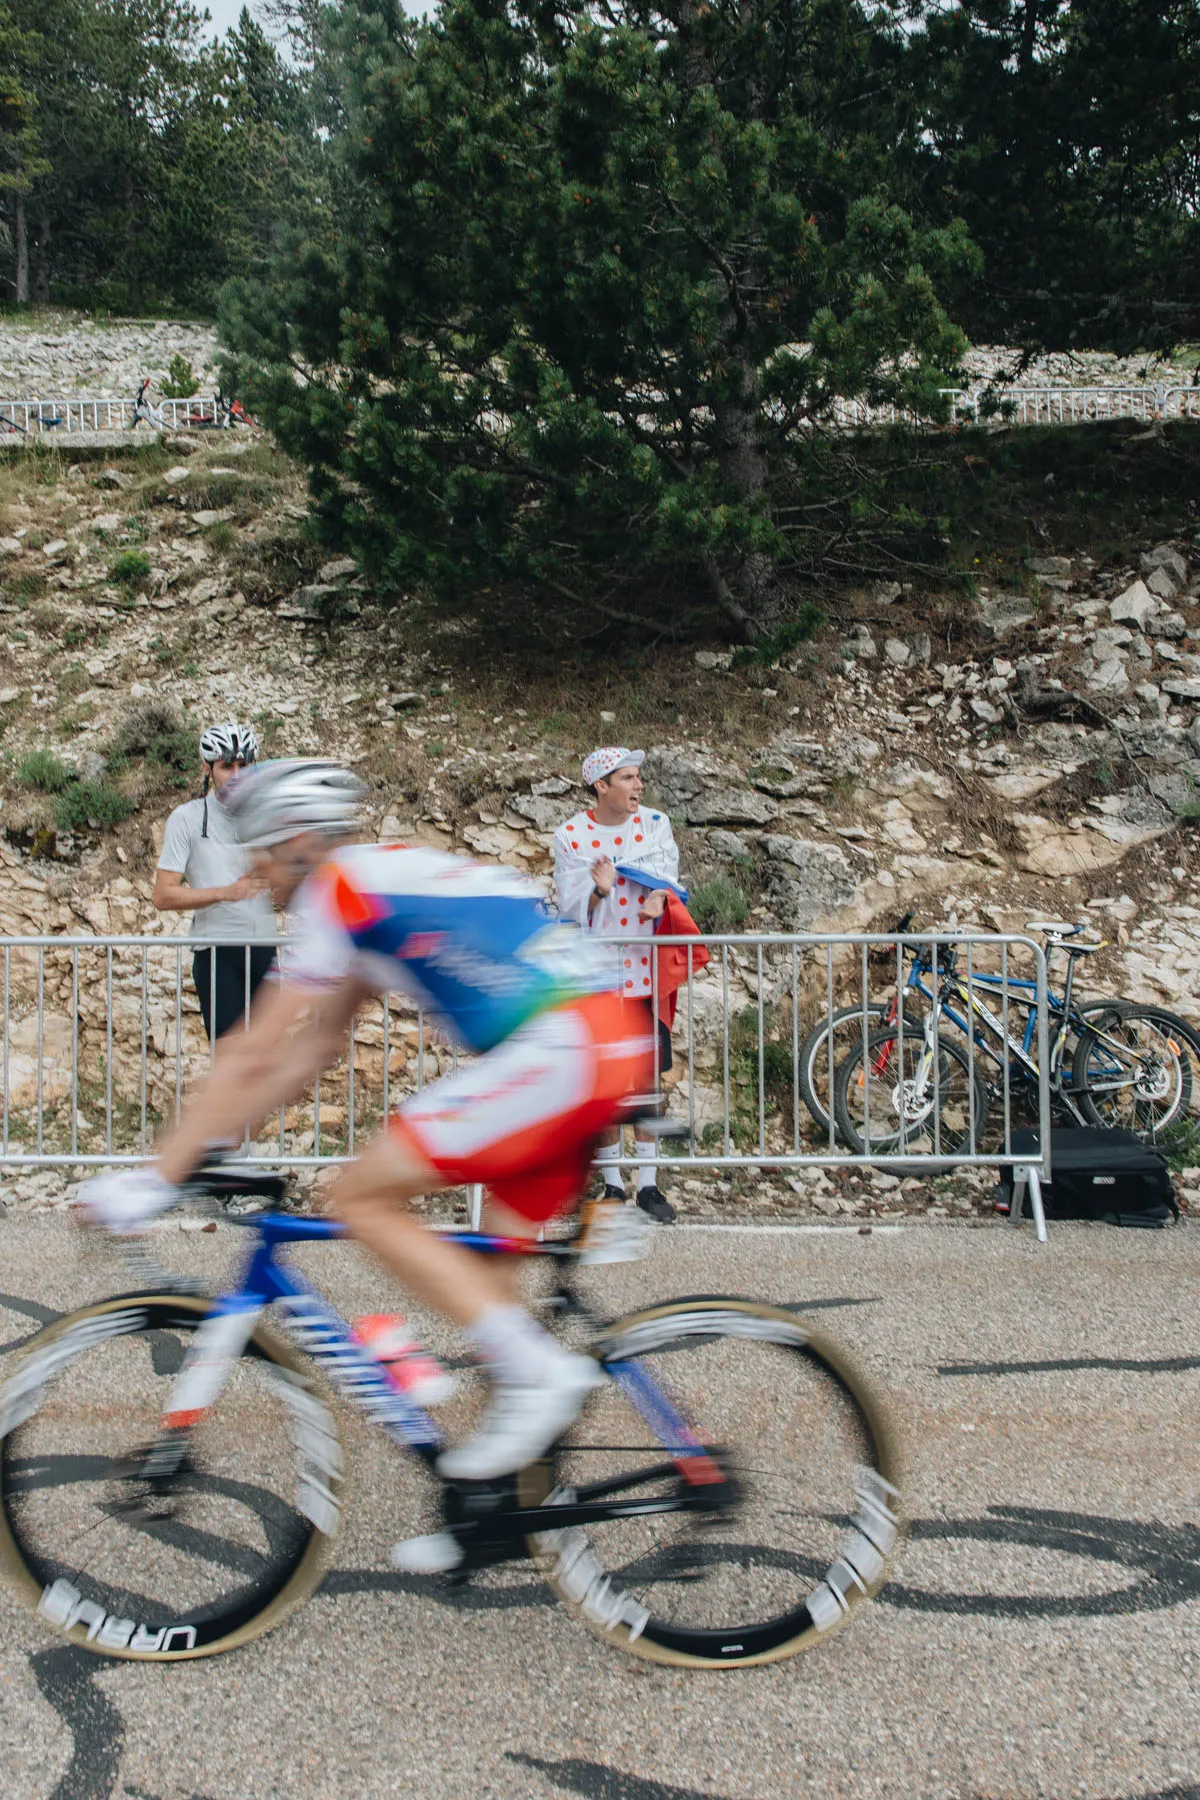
{"x":436,"y":1554}
{"x":524,"y":1419}
{"x":123,"y":1203}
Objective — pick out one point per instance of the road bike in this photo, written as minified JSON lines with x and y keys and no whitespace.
{"x":172,"y":1474}
{"x":920,"y":1089}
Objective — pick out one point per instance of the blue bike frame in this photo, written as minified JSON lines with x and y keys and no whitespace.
{"x":352,"y":1368}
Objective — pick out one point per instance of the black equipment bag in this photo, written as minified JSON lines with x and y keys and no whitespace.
{"x":1097,"y":1174}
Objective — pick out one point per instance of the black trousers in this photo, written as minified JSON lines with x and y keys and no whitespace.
{"x":222,"y":992}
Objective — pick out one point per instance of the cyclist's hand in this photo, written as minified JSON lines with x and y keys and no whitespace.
{"x":604,"y":873}
{"x":245,"y":887}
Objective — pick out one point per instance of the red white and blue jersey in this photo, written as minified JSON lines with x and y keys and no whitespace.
{"x":469,"y":940}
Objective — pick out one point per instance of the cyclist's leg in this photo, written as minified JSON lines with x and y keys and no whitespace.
{"x":372,"y":1198}
{"x":521,"y":1120}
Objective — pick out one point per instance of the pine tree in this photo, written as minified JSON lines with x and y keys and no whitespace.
{"x":599,"y":267}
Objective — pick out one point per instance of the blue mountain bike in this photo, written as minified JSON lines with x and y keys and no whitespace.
{"x":172,"y":1472}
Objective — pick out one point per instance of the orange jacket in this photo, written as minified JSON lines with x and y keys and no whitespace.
{"x":676,"y":921}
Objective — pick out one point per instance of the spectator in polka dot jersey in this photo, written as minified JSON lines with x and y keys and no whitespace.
{"x":617,"y":829}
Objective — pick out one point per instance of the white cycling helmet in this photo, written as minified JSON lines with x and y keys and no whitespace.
{"x":280,"y":799}
{"x":230,"y":742}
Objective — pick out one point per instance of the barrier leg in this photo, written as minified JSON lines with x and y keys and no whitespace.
{"x":1025,"y":1177}
{"x":475,"y":1197}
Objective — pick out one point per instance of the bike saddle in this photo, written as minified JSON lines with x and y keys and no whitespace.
{"x":1063,"y":933}
{"x":219,"y":1180}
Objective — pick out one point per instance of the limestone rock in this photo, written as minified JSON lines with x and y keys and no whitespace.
{"x":860,"y":643}
{"x":340,"y":569}
{"x":985,"y":711}
{"x":807,"y":881}
{"x":1107,"y":677}
{"x":728,"y":843}
{"x":1058,"y":566}
{"x":10,"y":546}
{"x":1162,"y":583}
{"x":1135,"y":606}
{"x":897,"y":652}
{"x":1164,"y":556}
{"x":542,"y":810}
{"x":713,"y":659}
{"x":1166,"y":625}
{"x":730,"y":806}
{"x":112,"y":478}
{"x":179,"y":473}
{"x":1001,"y":613}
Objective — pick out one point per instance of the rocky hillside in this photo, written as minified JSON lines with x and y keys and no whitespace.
{"x":1041,"y":759}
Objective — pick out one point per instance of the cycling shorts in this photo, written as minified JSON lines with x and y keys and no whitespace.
{"x":524,"y":1119}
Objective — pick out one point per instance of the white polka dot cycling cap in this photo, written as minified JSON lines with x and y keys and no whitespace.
{"x":602,"y":762}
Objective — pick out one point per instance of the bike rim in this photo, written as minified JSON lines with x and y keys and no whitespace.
{"x":132,"y":1568}
{"x":816,"y":1521}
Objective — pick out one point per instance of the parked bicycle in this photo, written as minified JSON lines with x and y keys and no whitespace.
{"x":172,"y":1476}
{"x":1115,"y":1065}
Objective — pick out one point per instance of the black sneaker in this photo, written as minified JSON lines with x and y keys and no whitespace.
{"x":613,"y":1193}
{"x":656,"y":1205}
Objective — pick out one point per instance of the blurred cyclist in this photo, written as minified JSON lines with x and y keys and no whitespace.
{"x":530,"y":997}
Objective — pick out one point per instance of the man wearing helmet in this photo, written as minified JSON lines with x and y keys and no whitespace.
{"x":530,"y":998}
{"x":205,"y":870}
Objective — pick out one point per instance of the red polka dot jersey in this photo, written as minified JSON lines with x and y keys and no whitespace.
{"x":644,"y":841}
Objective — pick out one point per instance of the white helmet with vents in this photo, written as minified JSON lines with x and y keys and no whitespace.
{"x":281,"y":799}
{"x":229,"y":743}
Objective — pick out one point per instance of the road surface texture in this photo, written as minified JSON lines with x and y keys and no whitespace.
{"x":1040,"y":1635}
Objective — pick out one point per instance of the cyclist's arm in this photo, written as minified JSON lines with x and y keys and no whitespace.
{"x":293,"y":1034}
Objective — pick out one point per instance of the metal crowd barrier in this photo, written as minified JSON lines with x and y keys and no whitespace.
{"x":102,"y":1039}
{"x":986,"y":404}
{"x":77,"y":412}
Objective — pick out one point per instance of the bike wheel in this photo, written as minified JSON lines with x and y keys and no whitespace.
{"x":1134,"y":1069}
{"x":884,"y":1101}
{"x":135,"y":1559}
{"x":817,"y":1515}
{"x":823,"y":1049}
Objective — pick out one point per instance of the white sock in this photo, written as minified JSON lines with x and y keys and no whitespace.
{"x":647,"y":1171}
{"x":512,"y":1344}
{"x":609,"y":1159}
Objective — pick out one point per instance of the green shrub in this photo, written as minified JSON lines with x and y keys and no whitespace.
{"x":182,"y":380}
{"x":96,"y":805}
{"x":774,"y":644}
{"x":42,"y":769}
{"x":160,"y":734}
{"x":130,"y":567}
{"x":719,"y":905}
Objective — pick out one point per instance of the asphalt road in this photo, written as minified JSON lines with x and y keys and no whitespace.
{"x":1040,"y":1636}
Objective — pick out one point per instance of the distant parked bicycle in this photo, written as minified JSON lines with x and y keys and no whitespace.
{"x":171,"y":1474}
{"x":227,"y":415}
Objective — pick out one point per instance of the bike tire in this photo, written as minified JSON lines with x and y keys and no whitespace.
{"x":952,"y":1131}
{"x":813,"y":1534}
{"x":1137,"y":1111}
{"x":79,"y":1407}
{"x":813,"y":1061}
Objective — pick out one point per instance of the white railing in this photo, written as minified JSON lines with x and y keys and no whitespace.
{"x":998,"y":405}
{"x":75,"y":412}
{"x":102,"y":1038}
